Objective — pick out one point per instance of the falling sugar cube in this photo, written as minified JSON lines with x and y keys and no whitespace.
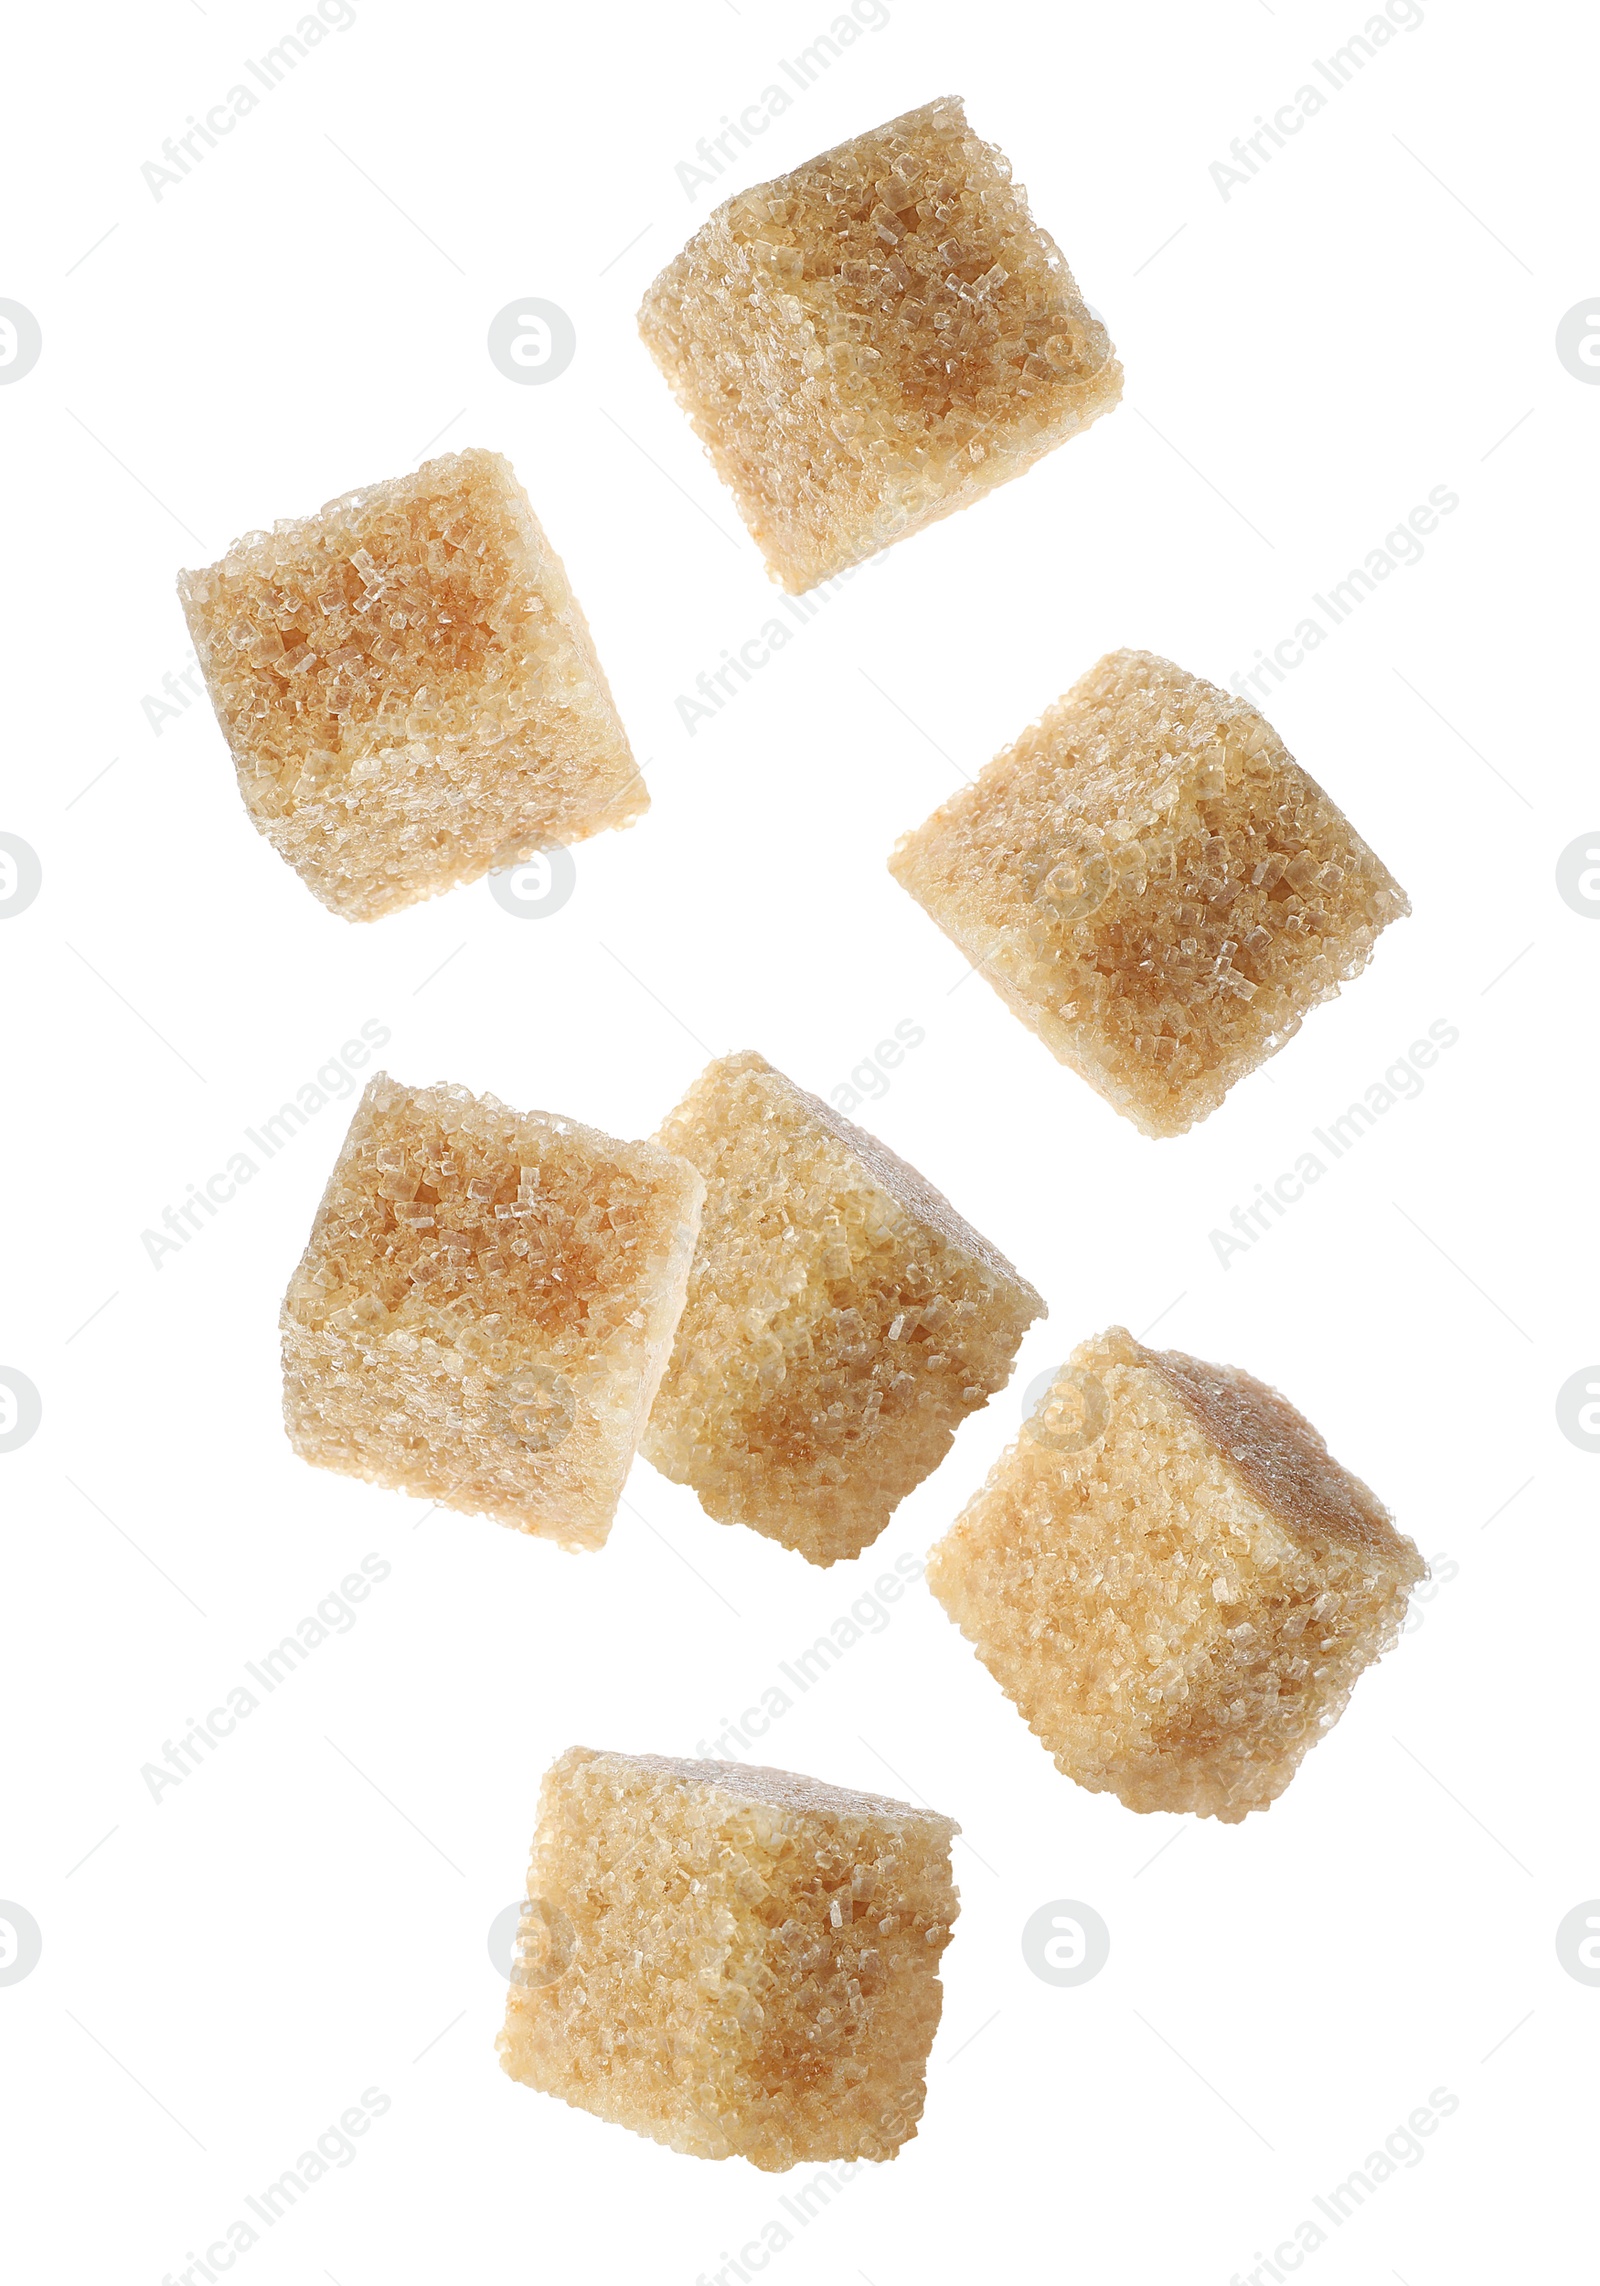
{"x":1173,"y":1580}
{"x":485,"y":1307}
{"x":409,"y":689}
{"x":841,"y":1321}
{"x":873,"y":341}
{"x":737,"y":1962}
{"x":1152,"y":883}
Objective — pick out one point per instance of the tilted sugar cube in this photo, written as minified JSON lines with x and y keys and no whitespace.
{"x":736,"y":1962}
{"x":873,"y":341}
{"x":409,"y":689}
{"x":841,"y":1322}
{"x":1153,"y":884}
{"x":485,"y":1305}
{"x":1173,"y":1580}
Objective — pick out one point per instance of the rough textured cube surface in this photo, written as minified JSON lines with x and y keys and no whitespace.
{"x":842,"y":1319}
{"x":736,"y":1962}
{"x":871,"y":342}
{"x":485,"y":1306}
{"x":1173,"y":1580}
{"x":1154,"y":886}
{"x":409,"y":689}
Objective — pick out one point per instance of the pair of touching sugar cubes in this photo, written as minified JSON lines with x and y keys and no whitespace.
{"x":1168,"y":1573}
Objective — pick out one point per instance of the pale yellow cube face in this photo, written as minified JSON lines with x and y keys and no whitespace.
{"x":841,"y":1322}
{"x":875,"y":340}
{"x":736,"y":1962}
{"x":409,"y":689}
{"x":484,"y":1308}
{"x":1154,"y":886}
{"x":1173,"y":1580}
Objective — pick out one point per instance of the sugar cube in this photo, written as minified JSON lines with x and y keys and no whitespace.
{"x":409,"y":689}
{"x":873,"y":341}
{"x":733,"y":1961}
{"x":841,"y":1321}
{"x":1153,"y":884}
{"x":485,"y":1306}
{"x":1173,"y":1580}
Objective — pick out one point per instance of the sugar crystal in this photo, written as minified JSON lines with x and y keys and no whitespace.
{"x":423,"y":1352}
{"x":696,"y":1963}
{"x":1140,"y":1571}
{"x":409,"y":689}
{"x":842,"y":1319}
{"x":873,"y":341}
{"x":1141,"y":904}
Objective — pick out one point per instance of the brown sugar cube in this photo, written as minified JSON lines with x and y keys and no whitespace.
{"x":1153,"y":884}
{"x":841,"y":1322}
{"x":409,"y":689}
{"x":736,"y":1962}
{"x":1173,"y":1580}
{"x":484,"y":1307}
{"x":871,"y":342}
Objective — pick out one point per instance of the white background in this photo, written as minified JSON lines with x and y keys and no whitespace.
{"x":1372,"y":316}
